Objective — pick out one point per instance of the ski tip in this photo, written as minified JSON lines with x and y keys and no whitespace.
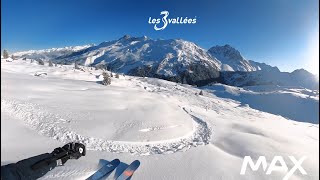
{"x":128,"y":172}
{"x":116,"y":160}
{"x":132,"y":168}
{"x":135,"y":163}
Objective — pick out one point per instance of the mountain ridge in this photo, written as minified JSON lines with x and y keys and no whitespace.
{"x":78,"y":49}
{"x":171,"y":59}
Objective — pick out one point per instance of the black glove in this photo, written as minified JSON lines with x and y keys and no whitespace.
{"x":69,"y":151}
{"x":76,"y":150}
{"x":60,"y":155}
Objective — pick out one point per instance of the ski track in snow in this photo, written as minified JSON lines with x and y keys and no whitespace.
{"x":70,"y":173}
{"x":157,"y":128}
{"x":46,"y":123}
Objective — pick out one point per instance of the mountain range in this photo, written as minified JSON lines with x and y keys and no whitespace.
{"x":175,"y":60}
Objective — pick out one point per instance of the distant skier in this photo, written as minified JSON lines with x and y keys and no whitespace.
{"x":37,"y":166}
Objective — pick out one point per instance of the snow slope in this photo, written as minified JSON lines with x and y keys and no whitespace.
{"x":298,"y":104}
{"x":173,"y":131}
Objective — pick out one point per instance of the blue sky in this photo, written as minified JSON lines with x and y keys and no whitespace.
{"x":283,"y":33}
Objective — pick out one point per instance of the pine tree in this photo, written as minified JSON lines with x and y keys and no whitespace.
{"x":50,"y":63}
{"x":106,"y":79}
{"x":5,"y":54}
{"x":76,"y":65}
{"x":40,"y":61}
{"x":184,"y":80}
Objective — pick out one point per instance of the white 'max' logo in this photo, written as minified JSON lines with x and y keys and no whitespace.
{"x":272,"y":167}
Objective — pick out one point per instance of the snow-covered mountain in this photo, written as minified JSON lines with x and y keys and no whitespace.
{"x":237,"y":71}
{"x":297,"y":78}
{"x":263,"y":66}
{"x":232,"y":60}
{"x":174,"y":59}
{"x":49,"y":54}
{"x":128,"y":53}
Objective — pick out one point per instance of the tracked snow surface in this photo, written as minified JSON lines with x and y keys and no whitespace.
{"x":175,"y":132}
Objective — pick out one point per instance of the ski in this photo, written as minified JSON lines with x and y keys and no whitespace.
{"x":128,"y":172}
{"x":107,"y":168}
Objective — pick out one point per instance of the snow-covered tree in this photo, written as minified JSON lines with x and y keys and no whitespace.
{"x":40,"y":61}
{"x":76,"y":65}
{"x":184,"y":80}
{"x":106,"y":79}
{"x":5,"y":54}
{"x":50,"y":63}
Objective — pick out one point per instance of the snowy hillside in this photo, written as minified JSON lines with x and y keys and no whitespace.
{"x":175,"y":132}
{"x":232,"y":60}
{"x":303,"y":103}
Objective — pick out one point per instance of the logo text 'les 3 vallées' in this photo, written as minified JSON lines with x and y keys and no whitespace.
{"x":165,"y":21}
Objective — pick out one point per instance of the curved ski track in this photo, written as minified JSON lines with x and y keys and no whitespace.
{"x":46,"y":123}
